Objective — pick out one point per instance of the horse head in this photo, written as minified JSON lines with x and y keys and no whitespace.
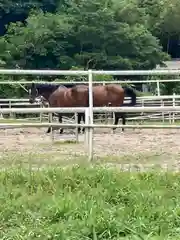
{"x":41,"y":91}
{"x":33,"y":93}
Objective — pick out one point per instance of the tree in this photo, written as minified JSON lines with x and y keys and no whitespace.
{"x":13,"y":11}
{"x":40,"y":44}
{"x":164,"y":17}
{"x":102,"y":34}
{"x":85,"y":35}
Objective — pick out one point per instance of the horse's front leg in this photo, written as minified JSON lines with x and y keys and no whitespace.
{"x":116,"y":120}
{"x":123,"y":116}
{"x":49,"y":128}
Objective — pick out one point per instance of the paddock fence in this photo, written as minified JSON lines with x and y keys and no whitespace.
{"x":145,"y":101}
{"x":89,"y":124}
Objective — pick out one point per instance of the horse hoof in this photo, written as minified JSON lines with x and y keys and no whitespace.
{"x":113,"y":131}
{"x":61,"y":131}
{"x":80,"y":131}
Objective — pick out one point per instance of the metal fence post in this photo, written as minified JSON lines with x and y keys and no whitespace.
{"x":11,"y":115}
{"x":90,"y":115}
{"x":76,"y":130}
{"x":162,"y":105}
{"x":158,"y":89}
{"x":87,"y":129}
{"x":174,"y":104}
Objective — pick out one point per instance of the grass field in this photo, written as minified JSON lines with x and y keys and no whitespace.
{"x":88,"y":203}
{"x":44,"y":196}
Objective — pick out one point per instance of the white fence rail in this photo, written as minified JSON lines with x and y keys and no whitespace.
{"x":85,"y":73}
{"x":94,"y":82}
{"x":95,"y":109}
{"x":153,"y":101}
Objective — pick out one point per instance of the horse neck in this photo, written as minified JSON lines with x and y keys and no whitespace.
{"x":46,"y":91}
{"x":46,"y":95}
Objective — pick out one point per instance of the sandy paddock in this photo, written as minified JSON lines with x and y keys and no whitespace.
{"x":135,"y":146}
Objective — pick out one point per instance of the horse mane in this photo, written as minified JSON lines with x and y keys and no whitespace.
{"x":52,"y":87}
{"x":69,"y":85}
{"x":46,"y":86}
{"x":72,"y":85}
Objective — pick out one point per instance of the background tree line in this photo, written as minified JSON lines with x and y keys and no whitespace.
{"x":83,"y":34}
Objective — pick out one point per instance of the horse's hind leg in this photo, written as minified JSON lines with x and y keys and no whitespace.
{"x":83,"y":117}
{"x":49,"y":128}
{"x":60,"y":121}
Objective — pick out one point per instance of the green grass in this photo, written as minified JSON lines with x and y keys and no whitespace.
{"x":89,"y":203}
{"x":58,"y":155}
{"x":11,"y":120}
{"x":36,"y":160}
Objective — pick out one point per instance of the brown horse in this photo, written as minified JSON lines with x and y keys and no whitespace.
{"x":78,"y":96}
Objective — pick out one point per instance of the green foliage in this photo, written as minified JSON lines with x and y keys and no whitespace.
{"x":63,"y":34}
{"x":94,"y":203}
{"x":96,"y":38}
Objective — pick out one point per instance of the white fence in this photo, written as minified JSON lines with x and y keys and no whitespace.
{"x":153,"y":101}
{"x":89,"y":112}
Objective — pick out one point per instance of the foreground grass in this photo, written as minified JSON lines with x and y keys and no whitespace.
{"x":89,"y":203}
{"x":38,"y":160}
{"x":60,"y":155}
{"x":57,"y":158}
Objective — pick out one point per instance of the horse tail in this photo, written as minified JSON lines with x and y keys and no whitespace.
{"x":130,"y":93}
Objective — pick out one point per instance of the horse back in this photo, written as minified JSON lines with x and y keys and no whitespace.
{"x":114,"y":88}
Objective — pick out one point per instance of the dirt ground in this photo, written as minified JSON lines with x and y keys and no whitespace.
{"x":145,"y":147}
